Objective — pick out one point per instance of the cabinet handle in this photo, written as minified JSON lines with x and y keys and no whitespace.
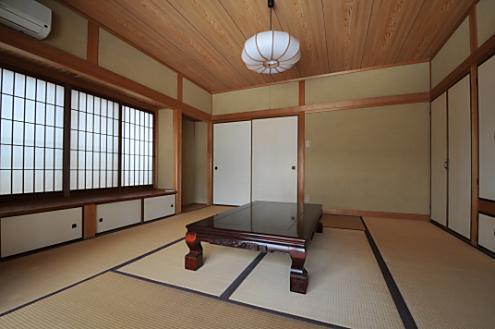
{"x":171,"y":206}
{"x":293,"y":167}
{"x":216,"y":168}
{"x":100,"y":220}
{"x":74,"y":225}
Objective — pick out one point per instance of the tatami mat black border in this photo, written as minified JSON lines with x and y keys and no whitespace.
{"x":241,"y":277}
{"x":400,"y":303}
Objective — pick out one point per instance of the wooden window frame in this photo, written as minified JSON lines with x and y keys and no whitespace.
{"x":66,"y":192}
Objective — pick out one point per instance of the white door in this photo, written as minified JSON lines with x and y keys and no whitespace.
{"x":274,"y":176}
{"x":439,"y":160}
{"x":459,"y":118}
{"x":486,"y":87}
{"x":232,"y":163}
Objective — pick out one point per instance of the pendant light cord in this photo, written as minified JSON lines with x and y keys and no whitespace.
{"x":271,"y":3}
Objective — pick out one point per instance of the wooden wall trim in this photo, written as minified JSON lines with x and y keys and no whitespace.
{"x":93,"y":42}
{"x":260,"y":114}
{"x":324,"y":75}
{"x":177,"y":179}
{"x":209,"y":151}
{"x":487,"y":207}
{"x":302,"y":92}
{"x":369,"y":102}
{"x":301,"y":141}
{"x":473,"y":33}
{"x":473,"y":30}
{"x":367,"y":213}
{"x":334,"y":106}
{"x":477,"y":57}
{"x":474,"y":155}
{"x":180,"y":87}
{"x":19,"y":45}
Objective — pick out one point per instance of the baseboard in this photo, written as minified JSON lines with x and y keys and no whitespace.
{"x":367,"y":213}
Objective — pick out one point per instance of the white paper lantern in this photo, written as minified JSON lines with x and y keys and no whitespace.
{"x":271,"y":52}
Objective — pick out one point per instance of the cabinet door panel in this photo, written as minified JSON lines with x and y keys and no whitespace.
{"x":159,"y":207}
{"x":486,"y":232}
{"x":29,"y":232}
{"x":117,"y":214}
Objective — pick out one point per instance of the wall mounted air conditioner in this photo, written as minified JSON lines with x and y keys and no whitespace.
{"x":27,"y":16}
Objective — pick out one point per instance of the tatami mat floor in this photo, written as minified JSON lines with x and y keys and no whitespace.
{"x":137,"y":280}
{"x":445,"y":282}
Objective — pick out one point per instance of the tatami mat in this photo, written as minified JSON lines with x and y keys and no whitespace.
{"x":342,"y":221}
{"x":221,"y":267}
{"x":29,"y":277}
{"x":345,"y":288}
{"x":115,"y":301}
{"x":445,"y":282}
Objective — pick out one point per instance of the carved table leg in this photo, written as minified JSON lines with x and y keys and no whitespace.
{"x":194,"y":259}
{"x":319,"y":227}
{"x":298,"y":274}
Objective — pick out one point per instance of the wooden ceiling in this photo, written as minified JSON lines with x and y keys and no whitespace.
{"x":203,"y":39}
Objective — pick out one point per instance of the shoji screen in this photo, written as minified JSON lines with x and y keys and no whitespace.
{"x":31,"y":134}
{"x":439,"y":159}
{"x":459,"y":120}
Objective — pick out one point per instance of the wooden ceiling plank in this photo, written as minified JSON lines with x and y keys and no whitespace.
{"x":345,"y":21}
{"x":209,"y":19}
{"x":304,"y":20}
{"x":391,"y":20}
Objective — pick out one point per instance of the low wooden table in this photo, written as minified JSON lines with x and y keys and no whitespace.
{"x":263,"y":226}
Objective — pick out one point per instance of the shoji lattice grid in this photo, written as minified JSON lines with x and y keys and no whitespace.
{"x":137,"y":147}
{"x":31,"y":134}
{"x":94,"y":142}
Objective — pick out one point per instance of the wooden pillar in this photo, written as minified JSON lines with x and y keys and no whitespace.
{"x":300,"y":156}
{"x":177,"y":118}
{"x":210,"y":164}
{"x":93,"y":42}
{"x":89,"y":220}
{"x":474,"y":130}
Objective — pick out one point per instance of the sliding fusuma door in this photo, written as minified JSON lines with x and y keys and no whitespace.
{"x":232,"y":163}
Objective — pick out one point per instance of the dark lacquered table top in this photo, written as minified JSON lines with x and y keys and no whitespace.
{"x":270,"y":218}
